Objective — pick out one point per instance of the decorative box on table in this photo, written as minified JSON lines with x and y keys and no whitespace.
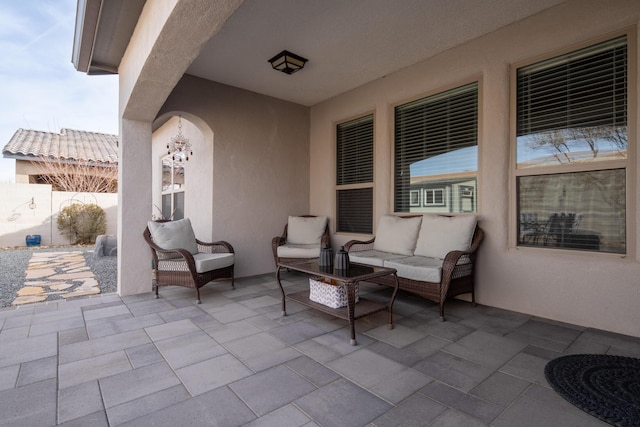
{"x":331,"y":294}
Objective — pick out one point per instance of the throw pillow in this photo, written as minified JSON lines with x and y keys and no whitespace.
{"x":305,"y":230}
{"x":397,"y":235}
{"x":174,"y":235}
{"x":441,"y":234}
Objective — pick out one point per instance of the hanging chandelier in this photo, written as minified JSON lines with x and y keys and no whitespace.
{"x":179,"y":146}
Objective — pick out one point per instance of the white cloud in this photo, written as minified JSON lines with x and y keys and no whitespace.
{"x":40,"y":88}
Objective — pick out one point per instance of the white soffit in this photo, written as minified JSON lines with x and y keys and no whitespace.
{"x":348,"y":42}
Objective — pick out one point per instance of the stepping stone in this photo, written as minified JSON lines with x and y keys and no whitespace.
{"x":29,"y":299}
{"x":60,"y":287}
{"x":40,"y":274}
{"x":31,"y":290}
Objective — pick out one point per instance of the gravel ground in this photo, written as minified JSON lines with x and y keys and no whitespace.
{"x":13,"y":266}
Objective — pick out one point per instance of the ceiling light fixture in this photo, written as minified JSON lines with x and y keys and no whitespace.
{"x":179,"y":146}
{"x":287,"y":62}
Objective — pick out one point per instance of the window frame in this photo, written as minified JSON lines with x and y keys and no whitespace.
{"x":478,"y":80}
{"x":356,"y":186}
{"x":172,"y":192}
{"x":627,"y":164}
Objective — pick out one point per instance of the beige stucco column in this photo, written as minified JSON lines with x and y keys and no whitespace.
{"x":134,"y":207}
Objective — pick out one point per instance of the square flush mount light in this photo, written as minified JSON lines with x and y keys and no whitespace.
{"x":287,"y":62}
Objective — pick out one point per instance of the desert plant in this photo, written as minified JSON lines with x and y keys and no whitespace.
{"x":82,"y":223}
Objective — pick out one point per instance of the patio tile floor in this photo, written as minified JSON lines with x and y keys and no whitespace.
{"x":234,"y":361}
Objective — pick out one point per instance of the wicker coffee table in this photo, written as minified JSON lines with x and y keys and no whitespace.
{"x":355,"y":274}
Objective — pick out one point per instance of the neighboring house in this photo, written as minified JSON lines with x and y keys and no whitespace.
{"x":542,"y":94}
{"x":42,"y":155}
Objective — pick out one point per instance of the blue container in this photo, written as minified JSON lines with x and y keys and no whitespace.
{"x":33,"y":240}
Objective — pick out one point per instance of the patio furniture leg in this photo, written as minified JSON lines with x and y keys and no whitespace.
{"x":393,"y":298}
{"x":284,"y":305}
{"x":351,"y":306}
{"x":198,"y":296}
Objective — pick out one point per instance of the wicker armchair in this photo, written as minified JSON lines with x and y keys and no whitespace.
{"x":302,"y":238}
{"x":182,"y":260}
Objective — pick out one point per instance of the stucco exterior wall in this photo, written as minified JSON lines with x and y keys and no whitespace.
{"x":259,"y":174}
{"x":594,"y":290}
{"x":20,"y":217}
{"x":198,"y":188}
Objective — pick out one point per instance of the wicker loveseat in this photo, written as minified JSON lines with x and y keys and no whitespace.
{"x":434,"y":255}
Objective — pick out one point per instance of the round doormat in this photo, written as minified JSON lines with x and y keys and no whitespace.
{"x":607,"y":387}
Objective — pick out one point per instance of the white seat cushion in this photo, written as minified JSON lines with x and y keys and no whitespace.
{"x":174,"y":235}
{"x":440,"y":235}
{"x":208,"y":262}
{"x":397,"y":235}
{"x":299,"y":251}
{"x":417,"y":268}
{"x":373,"y":257}
{"x":305,"y":231}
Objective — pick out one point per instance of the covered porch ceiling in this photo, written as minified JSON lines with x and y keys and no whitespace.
{"x":347,"y":43}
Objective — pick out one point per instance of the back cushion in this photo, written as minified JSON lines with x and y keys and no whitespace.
{"x":440,"y":235}
{"x":174,"y":235}
{"x":397,"y":235}
{"x":305,"y":231}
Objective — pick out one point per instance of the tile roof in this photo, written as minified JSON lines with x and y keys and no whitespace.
{"x":69,"y":144}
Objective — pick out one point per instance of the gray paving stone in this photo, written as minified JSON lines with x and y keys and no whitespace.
{"x":134,"y":384}
{"x":79,"y":401}
{"x":407,"y":356}
{"x":417,"y":410}
{"x":261,"y":351}
{"x":217,"y":408}
{"x":454,"y":371}
{"x":18,"y":409}
{"x":38,"y":370}
{"x":143,"y":355}
{"x":187,"y":312}
{"x":501,"y":389}
{"x":313,"y":371}
{"x":146,"y":405}
{"x":463,"y":402}
{"x":9,"y":376}
{"x":106,"y":312}
{"x":97,"y":419}
{"x":335,"y":405}
{"x":286,"y":416}
{"x":202,"y":377}
{"x":188,"y":349}
{"x":550,"y":330}
{"x":172,"y":329}
{"x":28,"y":349}
{"x":529,"y":368}
{"x":225,"y":332}
{"x":118,"y":324}
{"x":384,"y":377}
{"x":296,"y":332}
{"x":452,"y":418}
{"x":95,"y":347}
{"x":485,"y":349}
{"x":71,"y":336}
{"x":56,"y":325}
{"x":92,"y":368}
{"x":144,"y":307}
{"x":271,"y":389}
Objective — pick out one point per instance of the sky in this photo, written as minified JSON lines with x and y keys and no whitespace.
{"x":39,"y":87}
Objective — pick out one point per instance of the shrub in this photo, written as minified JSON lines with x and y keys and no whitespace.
{"x":82,"y":223}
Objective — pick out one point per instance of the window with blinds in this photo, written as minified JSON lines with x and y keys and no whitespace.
{"x":436,"y":152}
{"x":571,"y":149}
{"x":354,"y":176}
